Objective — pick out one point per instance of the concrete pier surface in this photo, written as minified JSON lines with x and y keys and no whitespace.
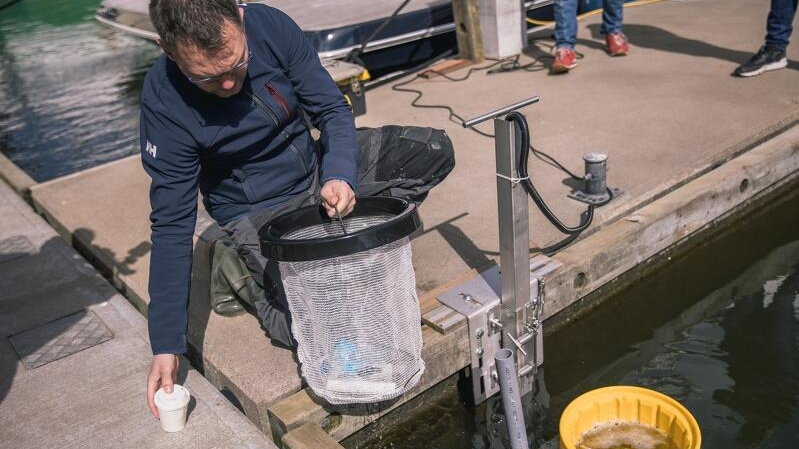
{"x":660,"y":113}
{"x":668,"y":115}
{"x":75,"y":354}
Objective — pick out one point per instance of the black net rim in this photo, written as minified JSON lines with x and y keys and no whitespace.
{"x":405,"y":220}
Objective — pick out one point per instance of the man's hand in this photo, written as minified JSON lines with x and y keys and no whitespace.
{"x":337,"y":195}
{"x":163,"y":373}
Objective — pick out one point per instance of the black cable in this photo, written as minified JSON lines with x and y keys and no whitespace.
{"x":535,"y":66}
{"x":494,"y":63}
{"x":586,"y":219}
{"x":507,"y":65}
{"x":514,"y":65}
{"x":524,"y":177}
{"x":402,"y":73}
{"x":400,"y":87}
{"x":555,"y":247}
{"x":355,"y":54}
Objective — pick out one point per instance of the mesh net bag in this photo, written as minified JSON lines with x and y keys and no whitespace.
{"x":351,"y":290}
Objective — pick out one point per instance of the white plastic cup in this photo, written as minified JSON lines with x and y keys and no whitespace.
{"x":172,"y":408}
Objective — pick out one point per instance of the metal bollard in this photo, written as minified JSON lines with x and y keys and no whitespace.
{"x":596,"y":173}
{"x":595,"y":190}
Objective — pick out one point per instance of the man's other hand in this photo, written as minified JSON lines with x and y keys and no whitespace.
{"x":337,"y":195}
{"x":163,"y":373}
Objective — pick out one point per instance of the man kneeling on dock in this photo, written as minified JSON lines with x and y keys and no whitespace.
{"x":222,"y":112}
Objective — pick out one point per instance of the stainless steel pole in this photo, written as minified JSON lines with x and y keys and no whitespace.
{"x":514,"y":248}
{"x":501,"y":112}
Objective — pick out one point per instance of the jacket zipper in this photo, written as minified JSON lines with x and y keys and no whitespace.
{"x":265,"y":107}
{"x":300,"y":160}
{"x":278,"y":97}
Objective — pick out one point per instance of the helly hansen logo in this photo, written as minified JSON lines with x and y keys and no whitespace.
{"x":152,"y":149}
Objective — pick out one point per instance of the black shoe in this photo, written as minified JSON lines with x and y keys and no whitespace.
{"x":767,"y":58}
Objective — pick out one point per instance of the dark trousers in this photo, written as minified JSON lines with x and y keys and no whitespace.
{"x":780,"y":23}
{"x":400,"y":161}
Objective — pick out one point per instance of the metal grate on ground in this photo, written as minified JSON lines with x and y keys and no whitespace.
{"x":60,"y":338}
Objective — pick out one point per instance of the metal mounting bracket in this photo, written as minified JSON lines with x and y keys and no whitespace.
{"x":478,"y":300}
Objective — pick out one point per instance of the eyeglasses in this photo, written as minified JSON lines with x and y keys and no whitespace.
{"x":213,"y":79}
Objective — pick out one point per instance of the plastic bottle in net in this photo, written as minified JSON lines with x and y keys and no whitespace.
{"x":356,"y":318}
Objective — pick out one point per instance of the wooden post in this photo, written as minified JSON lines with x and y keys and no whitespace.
{"x":467,"y":29}
{"x":309,"y":436}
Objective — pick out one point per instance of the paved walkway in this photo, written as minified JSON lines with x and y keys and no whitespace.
{"x":74,"y":355}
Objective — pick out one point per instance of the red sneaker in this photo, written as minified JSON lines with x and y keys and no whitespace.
{"x":565,"y":60}
{"x":617,"y":44}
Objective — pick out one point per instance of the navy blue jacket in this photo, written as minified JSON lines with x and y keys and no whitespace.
{"x":244,"y":153}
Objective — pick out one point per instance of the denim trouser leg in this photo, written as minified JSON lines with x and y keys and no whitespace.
{"x":612,"y":16}
{"x":780,"y":23}
{"x":565,"y":23}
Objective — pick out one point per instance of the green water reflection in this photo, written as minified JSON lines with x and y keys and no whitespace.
{"x":69,"y":87}
{"x":30,"y":14}
{"x":718,"y":330}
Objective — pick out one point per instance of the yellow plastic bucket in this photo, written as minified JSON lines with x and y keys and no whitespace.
{"x":623,"y":403}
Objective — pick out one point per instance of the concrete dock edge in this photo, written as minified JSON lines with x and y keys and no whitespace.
{"x":614,"y":212}
{"x":608,"y":254}
{"x":15,"y":177}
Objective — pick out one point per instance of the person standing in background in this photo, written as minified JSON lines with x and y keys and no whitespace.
{"x":771,"y":55}
{"x":566,"y":32}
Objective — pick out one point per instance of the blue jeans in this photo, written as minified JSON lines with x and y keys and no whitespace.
{"x":780,"y":23}
{"x":566,"y":19}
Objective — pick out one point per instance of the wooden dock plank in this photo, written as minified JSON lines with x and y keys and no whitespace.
{"x":428,"y":301}
{"x":446,"y":66}
{"x":442,"y":319}
{"x":309,"y":436}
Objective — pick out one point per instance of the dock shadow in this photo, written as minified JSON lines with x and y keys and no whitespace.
{"x":47,"y":313}
{"x":541,"y":52}
{"x":469,"y":252}
{"x":575,"y":185}
{"x":105,"y":260}
{"x":362,"y":410}
{"x":656,"y":38}
{"x":183,"y":374}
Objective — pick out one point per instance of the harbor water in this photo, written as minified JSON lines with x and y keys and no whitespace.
{"x":717,"y":329}
{"x":69,"y":87}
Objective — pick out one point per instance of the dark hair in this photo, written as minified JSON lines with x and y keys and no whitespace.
{"x":193,"y":22}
